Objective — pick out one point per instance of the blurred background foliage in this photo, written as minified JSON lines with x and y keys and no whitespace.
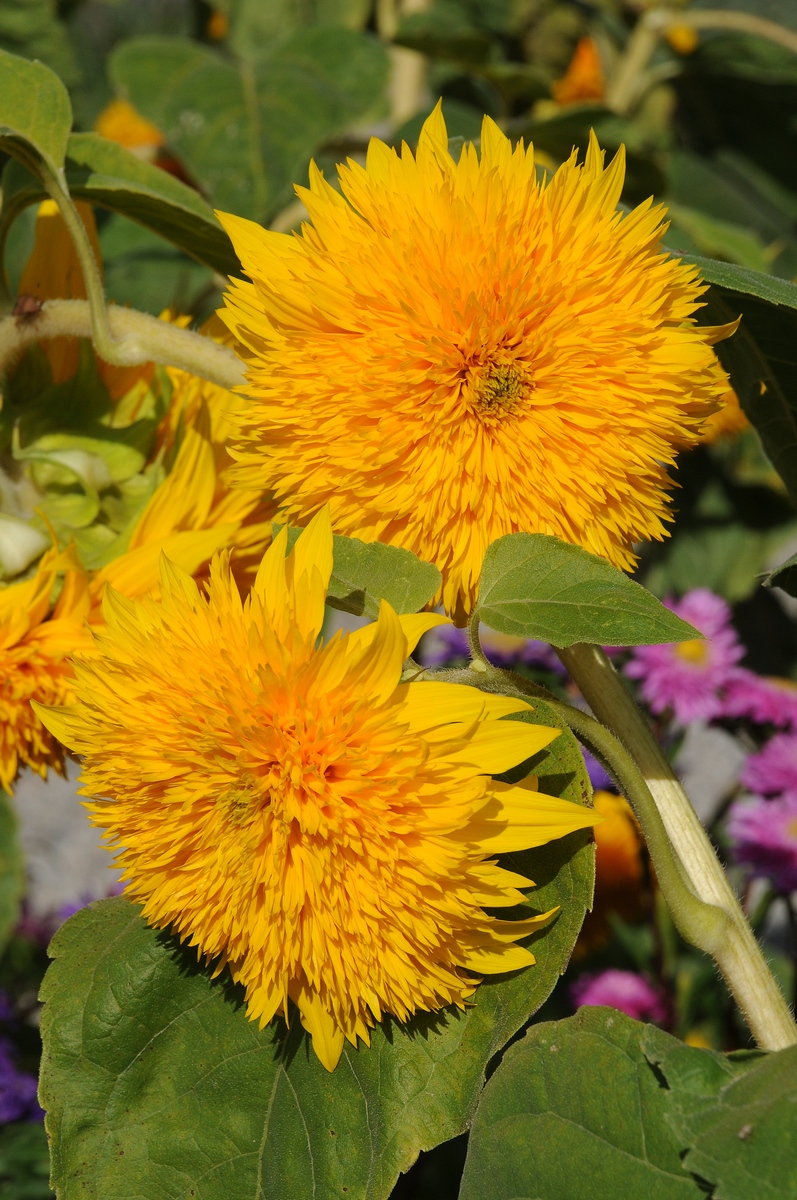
{"x":233,"y":98}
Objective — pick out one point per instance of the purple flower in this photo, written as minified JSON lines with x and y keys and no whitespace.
{"x":624,"y":990}
{"x":600,"y":779}
{"x":773,"y":769}
{"x":688,"y":677}
{"x":764,"y":700}
{"x":764,"y":833}
{"x":442,"y":644}
{"x":17,"y":1089}
{"x":446,"y":642}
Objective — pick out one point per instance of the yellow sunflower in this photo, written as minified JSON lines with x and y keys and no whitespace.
{"x":453,"y":351}
{"x":36,"y":639}
{"x":295,"y":809}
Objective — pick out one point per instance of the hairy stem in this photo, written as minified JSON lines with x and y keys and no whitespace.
{"x":135,"y":338}
{"x":737,"y":953}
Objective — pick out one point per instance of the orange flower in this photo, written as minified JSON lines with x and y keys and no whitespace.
{"x":53,"y":272}
{"x":584,"y":79}
{"x":727,"y":421}
{"x":618,"y":870}
{"x":120,"y":122}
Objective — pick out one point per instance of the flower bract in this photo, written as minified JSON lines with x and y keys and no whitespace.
{"x":457,"y":350}
{"x":294,"y":810}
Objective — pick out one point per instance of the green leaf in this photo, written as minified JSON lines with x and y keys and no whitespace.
{"x":107,"y":175}
{"x":744,"y":282}
{"x":761,"y":358}
{"x":257,"y":23}
{"x":35,"y":113}
{"x":12,"y":871}
{"x":536,"y":586}
{"x":246,"y":130}
{"x":156,"y":1084}
{"x":575,"y":1111}
{"x":31,"y":28}
{"x":738,"y":1116}
{"x":784,"y":576}
{"x":363,"y":573}
{"x":24,"y":1162}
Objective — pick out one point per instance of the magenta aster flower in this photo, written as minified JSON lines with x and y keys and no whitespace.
{"x":688,"y":677}
{"x":764,"y":833}
{"x":761,"y":699}
{"x":774,"y":768}
{"x":624,"y":990}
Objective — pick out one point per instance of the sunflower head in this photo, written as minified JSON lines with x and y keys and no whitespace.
{"x":456,"y":350}
{"x":297,"y":812}
{"x":36,"y":638}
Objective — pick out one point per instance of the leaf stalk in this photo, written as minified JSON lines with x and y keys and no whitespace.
{"x":679,"y":846}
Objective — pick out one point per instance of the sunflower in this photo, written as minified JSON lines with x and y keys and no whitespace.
{"x":454,"y":351}
{"x":36,"y":638}
{"x":297,"y":812}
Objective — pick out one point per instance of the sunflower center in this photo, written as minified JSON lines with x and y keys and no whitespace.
{"x":501,"y":387}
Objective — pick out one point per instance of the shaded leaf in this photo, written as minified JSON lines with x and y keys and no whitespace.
{"x":575,"y":1111}
{"x":12,"y":871}
{"x":784,"y":576}
{"x":156,"y":1084}
{"x":24,"y":1162}
{"x":537,"y":586}
{"x":246,"y":130}
{"x":363,"y":573}
{"x":35,"y":113}
{"x":257,"y":23}
{"x":32,"y":29}
{"x":761,"y":359}
{"x":738,"y":1116}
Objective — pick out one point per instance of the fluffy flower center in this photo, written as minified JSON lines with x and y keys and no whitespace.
{"x":500,"y":388}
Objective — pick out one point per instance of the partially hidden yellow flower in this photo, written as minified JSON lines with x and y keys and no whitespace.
{"x":121,"y":122}
{"x":36,"y":639}
{"x":584,"y":79}
{"x":194,"y":512}
{"x":454,"y":351}
{"x":53,"y":272}
{"x":727,"y":421}
{"x":297,"y":812}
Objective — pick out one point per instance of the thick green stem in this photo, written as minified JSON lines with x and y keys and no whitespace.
{"x":137,"y":338}
{"x":737,"y":954}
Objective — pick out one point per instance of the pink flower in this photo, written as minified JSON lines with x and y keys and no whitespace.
{"x":624,"y":990}
{"x":764,"y":833}
{"x":688,"y":677}
{"x":764,"y":700}
{"x":773,"y":769}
